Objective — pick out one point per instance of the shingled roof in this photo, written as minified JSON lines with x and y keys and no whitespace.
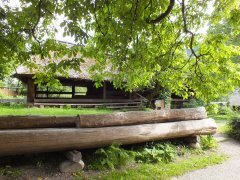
{"x":22,"y":71}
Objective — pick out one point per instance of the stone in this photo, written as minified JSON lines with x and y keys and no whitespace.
{"x":192,"y":139}
{"x":195,"y":145}
{"x":70,"y":166}
{"x":74,"y":155}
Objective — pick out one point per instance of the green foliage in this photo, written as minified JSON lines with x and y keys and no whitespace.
{"x":160,"y":152}
{"x":2,"y":96}
{"x":10,"y":172}
{"x":67,"y":106}
{"x":114,"y":156}
{"x":123,"y":37}
{"x":225,"y":110}
{"x":234,"y":128}
{"x":212,"y":108}
{"x":110,"y":157}
{"x":208,"y":142}
{"x":159,"y":170}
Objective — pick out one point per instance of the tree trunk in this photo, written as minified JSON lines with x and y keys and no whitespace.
{"x":142,"y":117}
{"x":26,"y":122}
{"x":102,"y":120}
{"x":46,"y":140}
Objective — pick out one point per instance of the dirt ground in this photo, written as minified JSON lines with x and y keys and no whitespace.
{"x":37,"y":166}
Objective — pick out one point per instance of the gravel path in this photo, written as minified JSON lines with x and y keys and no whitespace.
{"x":229,"y":170}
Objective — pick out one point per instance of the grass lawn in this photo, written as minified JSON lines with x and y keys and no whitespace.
{"x":223,"y":118}
{"x":159,"y":170}
{"x":22,"y":110}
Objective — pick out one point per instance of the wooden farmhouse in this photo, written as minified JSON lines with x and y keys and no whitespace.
{"x":234,"y":98}
{"x":77,"y":90}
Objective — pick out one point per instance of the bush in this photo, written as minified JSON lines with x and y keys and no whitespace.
{"x":208,"y":142}
{"x":234,"y":130}
{"x":110,"y":157}
{"x":225,"y":110}
{"x":2,"y":96}
{"x":10,"y":172}
{"x":67,"y":106}
{"x":161,"y":152}
{"x":212,"y":108}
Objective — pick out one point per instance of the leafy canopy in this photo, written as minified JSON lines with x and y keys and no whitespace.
{"x":143,"y":42}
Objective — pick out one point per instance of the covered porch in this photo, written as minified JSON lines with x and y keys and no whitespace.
{"x":81,"y":93}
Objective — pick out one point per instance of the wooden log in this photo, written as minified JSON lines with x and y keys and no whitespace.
{"x":102,"y":120}
{"x":141,"y":117}
{"x":25,"y":122}
{"x":46,"y":140}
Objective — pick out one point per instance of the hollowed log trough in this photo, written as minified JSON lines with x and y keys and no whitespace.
{"x":91,"y":131}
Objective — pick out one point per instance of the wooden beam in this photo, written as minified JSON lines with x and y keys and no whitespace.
{"x":52,"y":92}
{"x":47,"y":92}
{"x":130,"y":96}
{"x":89,"y":100}
{"x":73,"y":90}
{"x":45,"y":140}
{"x":30,"y":90}
{"x":104,"y":90}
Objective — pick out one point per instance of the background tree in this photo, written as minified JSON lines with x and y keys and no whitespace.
{"x":140,"y":42}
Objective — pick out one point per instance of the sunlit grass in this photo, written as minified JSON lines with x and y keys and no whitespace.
{"x":21,"y":110}
{"x":159,"y":170}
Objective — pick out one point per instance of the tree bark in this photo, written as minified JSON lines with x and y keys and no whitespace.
{"x":142,"y":117}
{"x":103,"y":120}
{"x":45,"y":140}
{"x":26,"y":122}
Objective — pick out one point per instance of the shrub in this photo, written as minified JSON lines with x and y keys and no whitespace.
{"x":212,"y":108}
{"x":2,"y":96}
{"x":154,"y":153}
{"x":234,"y":130}
{"x":225,"y":110}
{"x":67,"y":106}
{"x":208,"y":142}
{"x":110,"y":157}
{"x":10,"y":172}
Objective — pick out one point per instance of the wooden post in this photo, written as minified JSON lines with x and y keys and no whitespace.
{"x":73,"y":89}
{"x":47,"y":92}
{"x":104,"y":90}
{"x":30,"y":91}
{"x":130,"y":96}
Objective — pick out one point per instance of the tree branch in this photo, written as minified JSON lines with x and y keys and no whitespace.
{"x":95,"y":16}
{"x":186,"y":30}
{"x":163,"y":15}
{"x":38,"y":18}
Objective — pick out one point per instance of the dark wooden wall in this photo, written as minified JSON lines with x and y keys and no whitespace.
{"x":107,"y":91}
